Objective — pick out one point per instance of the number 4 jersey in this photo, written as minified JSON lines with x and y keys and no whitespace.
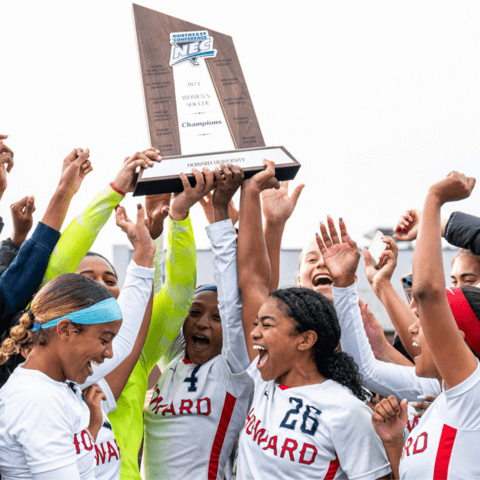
{"x":319,"y":431}
{"x":193,"y":420}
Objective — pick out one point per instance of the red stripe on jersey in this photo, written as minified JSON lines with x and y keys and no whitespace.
{"x":283,"y":387}
{"x":222,"y":428}
{"x":332,"y":469}
{"x":447,"y":439}
{"x":186,"y":361}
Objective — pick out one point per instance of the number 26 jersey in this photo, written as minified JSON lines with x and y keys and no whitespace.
{"x":319,"y":431}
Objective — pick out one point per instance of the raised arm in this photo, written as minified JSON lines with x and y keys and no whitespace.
{"x":381,"y":348}
{"x":341,"y":258}
{"x":224,"y":244}
{"x":253,"y":262}
{"x":137,"y":233}
{"x":21,"y":280}
{"x":277,"y":208}
{"x":408,"y":223}
{"x":82,"y":231}
{"x":133,"y":300}
{"x":439,"y":327}
{"x":399,"y":312}
{"x":172,"y":303}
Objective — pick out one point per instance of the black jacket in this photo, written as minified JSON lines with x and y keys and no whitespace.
{"x":463,"y":231}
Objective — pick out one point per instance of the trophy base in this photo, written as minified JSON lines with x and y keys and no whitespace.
{"x":164,"y":177}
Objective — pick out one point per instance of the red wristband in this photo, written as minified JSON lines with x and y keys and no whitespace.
{"x":116,"y":189}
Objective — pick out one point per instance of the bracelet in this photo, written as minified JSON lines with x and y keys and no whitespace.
{"x":116,"y":189}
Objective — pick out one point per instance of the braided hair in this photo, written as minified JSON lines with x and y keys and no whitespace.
{"x":65,"y":294}
{"x":312,"y":311}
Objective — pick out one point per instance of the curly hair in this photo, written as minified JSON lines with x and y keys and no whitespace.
{"x":312,"y":311}
{"x":65,"y":294}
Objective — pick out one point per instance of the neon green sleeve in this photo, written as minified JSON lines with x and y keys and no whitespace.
{"x":77,"y":239}
{"x":170,"y":307}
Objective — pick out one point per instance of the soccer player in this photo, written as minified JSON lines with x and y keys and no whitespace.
{"x":308,"y":418}
{"x":443,"y":444}
{"x":200,"y":402}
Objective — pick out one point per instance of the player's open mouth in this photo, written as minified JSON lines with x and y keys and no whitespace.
{"x":262,"y":356}
{"x":200,"y":343}
{"x":322,"y":280}
{"x":89,"y":368}
{"x":415,"y":344}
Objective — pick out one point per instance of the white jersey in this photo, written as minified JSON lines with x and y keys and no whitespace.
{"x":197,"y":411}
{"x":99,"y":461}
{"x":444,"y":444}
{"x":319,"y":431}
{"x":38,"y":419}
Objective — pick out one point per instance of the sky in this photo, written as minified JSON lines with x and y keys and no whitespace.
{"x":377,"y":100}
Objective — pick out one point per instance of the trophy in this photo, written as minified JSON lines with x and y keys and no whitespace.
{"x":199,"y":111}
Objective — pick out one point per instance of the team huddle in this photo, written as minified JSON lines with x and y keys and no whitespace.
{"x":167,"y":379}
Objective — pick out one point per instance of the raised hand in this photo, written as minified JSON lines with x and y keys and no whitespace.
{"x":340,"y":254}
{"x":264,"y":179}
{"x":407,"y":226}
{"x":277,"y":206}
{"x":228,"y":179}
{"x":138,"y":235}
{"x":6,"y":164}
{"x":374,"y":331}
{"x":126,"y":177}
{"x":157,"y":207}
{"x":93,"y":396}
{"x":22,"y":219}
{"x":183,"y":201}
{"x":386,"y":265}
{"x":456,"y":186}
{"x":390,"y":418}
{"x":75,"y":167}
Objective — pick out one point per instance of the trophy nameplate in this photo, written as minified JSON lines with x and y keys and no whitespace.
{"x":198,"y":107}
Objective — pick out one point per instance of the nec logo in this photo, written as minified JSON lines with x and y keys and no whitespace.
{"x":191,"y":46}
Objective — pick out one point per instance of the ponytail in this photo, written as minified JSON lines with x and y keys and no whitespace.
{"x":19,"y":335}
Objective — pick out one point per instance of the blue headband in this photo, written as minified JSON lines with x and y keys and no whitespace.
{"x":102,"y":312}
{"x":202,"y":288}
